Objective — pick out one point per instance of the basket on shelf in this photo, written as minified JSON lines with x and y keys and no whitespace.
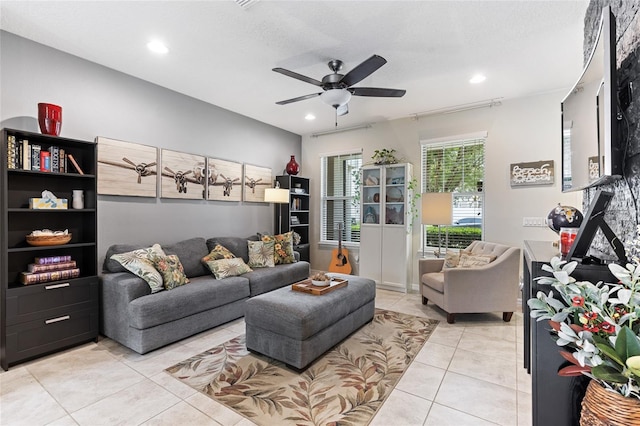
{"x":48,"y":240}
{"x":604,"y":408}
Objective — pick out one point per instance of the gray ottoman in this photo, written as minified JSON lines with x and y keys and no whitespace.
{"x":296,"y":328}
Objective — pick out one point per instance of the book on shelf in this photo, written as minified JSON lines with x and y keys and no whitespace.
{"x":62,"y":161}
{"x":51,"y":259}
{"x":35,"y":156}
{"x":54,"y":153}
{"x":42,"y":277}
{"x":26,"y":155}
{"x":45,"y":161}
{"x":11,"y":152}
{"x":75,"y":163}
{"x":36,"y":267}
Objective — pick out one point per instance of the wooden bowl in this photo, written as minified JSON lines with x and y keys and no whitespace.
{"x":48,"y":240}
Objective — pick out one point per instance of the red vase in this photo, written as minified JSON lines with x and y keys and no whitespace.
{"x":292,"y":167}
{"x":49,"y":119}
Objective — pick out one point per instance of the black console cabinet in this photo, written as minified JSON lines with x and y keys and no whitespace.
{"x":556,"y":400}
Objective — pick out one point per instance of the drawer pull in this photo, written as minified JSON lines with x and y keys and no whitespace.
{"x":54,"y":286}
{"x":52,"y":320}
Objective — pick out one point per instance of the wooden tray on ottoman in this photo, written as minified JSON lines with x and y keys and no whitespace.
{"x":306,"y":286}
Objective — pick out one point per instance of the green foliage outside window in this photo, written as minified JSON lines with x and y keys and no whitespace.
{"x":459,"y":237}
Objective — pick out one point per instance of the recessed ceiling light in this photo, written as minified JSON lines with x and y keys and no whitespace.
{"x":309,"y":117}
{"x":156,"y":46}
{"x":478,"y":78}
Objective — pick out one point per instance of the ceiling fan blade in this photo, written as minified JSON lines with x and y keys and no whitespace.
{"x":298,"y":76}
{"x":377,"y":91}
{"x":363,"y":70}
{"x":299,"y":98}
{"x":342,"y":110}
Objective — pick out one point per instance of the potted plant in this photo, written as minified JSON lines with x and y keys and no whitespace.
{"x":384,"y":156}
{"x":597,"y":327}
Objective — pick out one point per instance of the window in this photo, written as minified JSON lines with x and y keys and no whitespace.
{"x":339,"y":202}
{"x":457,"y":167}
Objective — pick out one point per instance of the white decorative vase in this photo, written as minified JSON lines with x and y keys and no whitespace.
{"x":78,"y":199}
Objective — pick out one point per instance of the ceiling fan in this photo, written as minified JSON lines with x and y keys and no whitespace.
{"x":337,"y":88}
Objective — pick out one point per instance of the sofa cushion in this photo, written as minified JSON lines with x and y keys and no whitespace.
{"x":267,"y":279}
{"x":261,"y":254}
{"x":224,"y":268}
{"x":237,"y":245}
{"x":140,"y":262}
{"x":171,"y":270}
{"x":201,"y":294}
{"x":112,"y":265}
{"x":190,"y":252}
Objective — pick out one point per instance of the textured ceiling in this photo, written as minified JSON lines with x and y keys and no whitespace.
{"x":223,"y":54}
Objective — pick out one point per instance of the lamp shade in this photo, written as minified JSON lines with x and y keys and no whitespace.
{"x":335,"y":97}
{"x":276,"y":195}
{"x":437,"y":208}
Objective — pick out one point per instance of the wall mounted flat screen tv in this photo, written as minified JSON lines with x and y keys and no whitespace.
{"x":591,"y":152}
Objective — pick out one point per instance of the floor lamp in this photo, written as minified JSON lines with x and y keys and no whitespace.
{"x":278,"y":196}
{"x":437,"y":209}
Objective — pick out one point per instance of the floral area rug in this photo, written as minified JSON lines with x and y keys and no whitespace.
{"x":345,"y":386}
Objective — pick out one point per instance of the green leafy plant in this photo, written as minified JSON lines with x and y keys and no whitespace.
{"x":597,"y":325}
{"x":384,"y":156}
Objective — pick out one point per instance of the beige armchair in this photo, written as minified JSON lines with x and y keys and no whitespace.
{"x":488,"y":288}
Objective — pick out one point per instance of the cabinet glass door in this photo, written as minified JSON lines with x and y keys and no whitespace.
{"x":371,"y":196}
{"x":394,"y":190}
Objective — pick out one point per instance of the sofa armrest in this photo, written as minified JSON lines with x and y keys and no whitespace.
{"x":429,"y":265}
{"x":117,"y":290}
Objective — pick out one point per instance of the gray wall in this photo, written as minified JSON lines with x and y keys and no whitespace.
{"x":98,"y":101}
{"x":622,"y":215}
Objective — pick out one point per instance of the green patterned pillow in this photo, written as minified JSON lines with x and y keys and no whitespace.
{"x":218,"y":252}
{"x":223,"y":268}
{"x":283,"y":247}
{"x":140,"y":263}
{"x":261,"y":254}
{"x":171,"y":270}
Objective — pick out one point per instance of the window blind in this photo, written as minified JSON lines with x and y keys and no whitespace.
{"x":456,"y":167}
{"x":340,"y":205}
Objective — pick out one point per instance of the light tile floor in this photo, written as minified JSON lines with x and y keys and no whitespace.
{"x":468,"y":373}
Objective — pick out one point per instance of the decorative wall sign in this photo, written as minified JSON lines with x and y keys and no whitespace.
{"x":256,"y":179}
{"x":182,"y":175}
{"x":533,"y":173}
{"x":126,"y":168}
{"x":224,"y":181}
{"x":594,"y":168}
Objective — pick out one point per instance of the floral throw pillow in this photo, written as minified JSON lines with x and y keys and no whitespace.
{"x":140,"y":262}
{"x":283,"y":247}
{"x":223,"y":268}
{"x":261,"y":254}
{"x":218,"y":252}
{"x":171,"y":270}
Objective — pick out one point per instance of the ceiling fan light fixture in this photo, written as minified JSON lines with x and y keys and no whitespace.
{"x":336,"y":97}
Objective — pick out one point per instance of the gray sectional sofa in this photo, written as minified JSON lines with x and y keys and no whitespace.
{"x":144,"y":321}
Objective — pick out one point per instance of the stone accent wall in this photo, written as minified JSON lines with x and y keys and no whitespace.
{"x":622,"y":215}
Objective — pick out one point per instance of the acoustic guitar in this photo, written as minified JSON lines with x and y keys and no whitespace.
{"x":340,"y":256}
